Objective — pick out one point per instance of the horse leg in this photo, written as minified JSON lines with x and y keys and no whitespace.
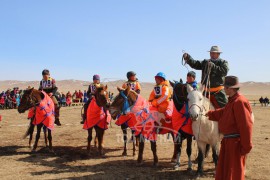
{"x":45,"y":135}
{"x":89,"y":140}
{"x":124,"y":129}
{"x":207,"y":149}
{"x":189,"y":151}
{"x":178,"y":144}
{"x":154,"y":150}
{"x":37,"y":136}
{"x":215,"y":154}
{"x":100,"y":133}
{"x":201,"y":156}
{"x":141,"y":148}
{"x":50,"y":140}
{"x":134,"y":140}
{"x":174,"y":158}
{"x":96,"y":141}
{"x":31,"y":131}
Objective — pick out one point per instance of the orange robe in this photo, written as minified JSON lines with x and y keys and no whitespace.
{"x":96,"y":116}
{"x":234,"y":118}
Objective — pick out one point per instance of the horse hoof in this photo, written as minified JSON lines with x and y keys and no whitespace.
{"x":134,"y":154}
{"x":124,"y":154}
{"x":199,"y":174}
{"x":155,"y":164}
{"x":33,"y":151}
{"x":189,"y":170}
{"x":177,"y":167}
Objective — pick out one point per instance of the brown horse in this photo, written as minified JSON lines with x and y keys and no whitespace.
{"x":32,"y":98}
{"x":127,"y":99}
{"x":101,"y":98}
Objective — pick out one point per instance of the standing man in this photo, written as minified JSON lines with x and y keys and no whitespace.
{"x":48,"y":85}
{"x":235,"y":122}
{"x":214,"y":70}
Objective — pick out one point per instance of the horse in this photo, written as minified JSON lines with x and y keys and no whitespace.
{"x":181,"y":122}
{"x":133,"y":111}
{"x":42,"y":107}
{"x":205,"y":131}
{"x":98,"y":118}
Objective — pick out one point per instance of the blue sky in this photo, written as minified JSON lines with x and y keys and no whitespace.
{"x":78,"y":38}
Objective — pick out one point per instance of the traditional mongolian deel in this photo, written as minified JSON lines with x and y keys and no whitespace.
{"x":44,"y":112}
{"x":146,"y":120}
{"x":181,"y":120}
{"x":96,"y":116}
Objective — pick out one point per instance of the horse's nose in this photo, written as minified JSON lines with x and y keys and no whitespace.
{"x":194,"y":116}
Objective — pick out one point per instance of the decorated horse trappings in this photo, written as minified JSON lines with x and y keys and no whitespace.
{"x":146,"y":121}
{"x":98,"y":117}
{"x":41,"y":114}
{"x":181,"y":122}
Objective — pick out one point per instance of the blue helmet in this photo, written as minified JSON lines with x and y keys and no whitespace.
{"x":162,"y":75}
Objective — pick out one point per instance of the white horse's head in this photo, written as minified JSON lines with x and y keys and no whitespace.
{"x":195,"y":102}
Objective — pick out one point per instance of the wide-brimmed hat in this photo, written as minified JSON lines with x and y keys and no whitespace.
{"x":232,"y":82}
{"x":215,"y":49}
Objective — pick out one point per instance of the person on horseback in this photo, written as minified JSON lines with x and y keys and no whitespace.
{"x":160,"y":96}
{"x":90,"y":93}
{"x":48,"y":85}
{"x":191,"y":76}
{"x":214,"y":71}
{"x":132,"y":82}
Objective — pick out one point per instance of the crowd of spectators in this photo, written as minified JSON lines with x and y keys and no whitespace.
{"x":264,"y":101}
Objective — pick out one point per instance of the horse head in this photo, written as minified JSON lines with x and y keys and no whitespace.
{"x":195,"y":102}
{"x":124,"y":100}
{"x":102,"y":96}
{"x":179,"y":94}
{"x":30,"y":98}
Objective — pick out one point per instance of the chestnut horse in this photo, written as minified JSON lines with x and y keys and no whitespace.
{"x":97,"y":117}
{"x":32,"y":99}
{"x":128,"y":99}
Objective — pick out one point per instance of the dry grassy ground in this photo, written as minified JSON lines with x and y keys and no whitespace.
{"x":71,"y":161}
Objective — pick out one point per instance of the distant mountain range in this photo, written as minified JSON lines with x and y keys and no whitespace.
{"x":248,"y":88}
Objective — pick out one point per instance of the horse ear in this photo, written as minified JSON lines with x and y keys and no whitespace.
{"x":127,"y":90}
{"x":189,"y":88}
{"x":29,"y":91}
{"x":181,"y":81}
{"x":105,"y":88}
{"x":201,"y":88}
{"x":119,"y":89}
{"x":172,"y":83}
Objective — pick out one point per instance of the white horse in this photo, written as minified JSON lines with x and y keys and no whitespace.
{"x":204,"y":130}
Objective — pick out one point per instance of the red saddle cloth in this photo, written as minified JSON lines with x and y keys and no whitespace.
{"x":44,"y":112}
{"x":96,"y":116}
{"x":146,"y":120}
{"x":180,"y":120}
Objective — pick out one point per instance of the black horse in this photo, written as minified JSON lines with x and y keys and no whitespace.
{"x":179,"y":100}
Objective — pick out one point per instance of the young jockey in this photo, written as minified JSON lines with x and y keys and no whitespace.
{"x":132,"y":82}
{"x":91,"y":91}
{"x":47,"y":84}
{"x":160,"y":95}
{"x":191,"y":76}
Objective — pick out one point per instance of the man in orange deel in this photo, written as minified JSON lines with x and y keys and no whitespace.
{"x":160,"y":95}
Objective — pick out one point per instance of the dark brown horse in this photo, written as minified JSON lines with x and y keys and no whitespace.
{"x":102,"y":100}
{"x":116,"y":109}
{"x":31,"y":98}
{"x":179,"y":100}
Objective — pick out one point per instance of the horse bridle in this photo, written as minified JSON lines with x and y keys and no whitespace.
{"x":202,"y":108}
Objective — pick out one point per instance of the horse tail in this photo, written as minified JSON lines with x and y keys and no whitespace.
{"x":30,"y":129}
